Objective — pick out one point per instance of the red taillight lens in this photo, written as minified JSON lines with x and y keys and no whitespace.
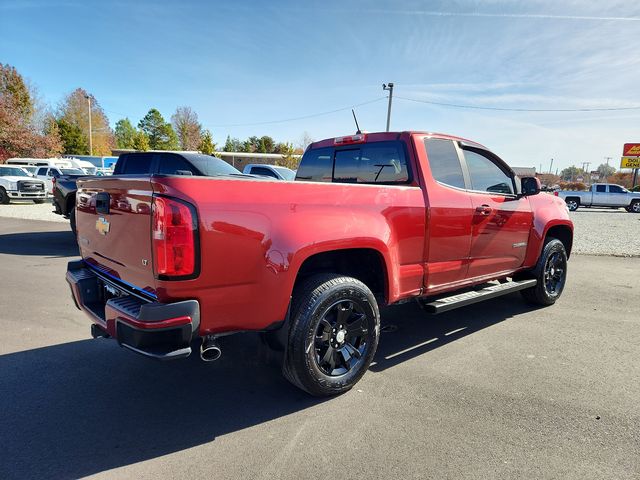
{"x":174,"y":237}
{"x":556,"y":193}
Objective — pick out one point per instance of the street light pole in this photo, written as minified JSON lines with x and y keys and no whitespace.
{"x":388,"y":87}
{"x":90,"y":135}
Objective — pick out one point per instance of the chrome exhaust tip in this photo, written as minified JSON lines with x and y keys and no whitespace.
{"x":210,"y":349}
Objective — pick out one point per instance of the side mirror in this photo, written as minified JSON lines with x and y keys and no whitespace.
{"x":530,"y":186}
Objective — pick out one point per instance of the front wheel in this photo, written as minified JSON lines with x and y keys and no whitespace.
{"x":4,"y":198}
{"x":634,"y":207}
{"x":334,"y":334}
{"x":550,"y":272}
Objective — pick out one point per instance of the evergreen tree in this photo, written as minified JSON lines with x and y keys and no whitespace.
{"x":74,"y":141}
{"x":125,"y":133}
{"x":160,"y":133}
{"x":206,"y":143}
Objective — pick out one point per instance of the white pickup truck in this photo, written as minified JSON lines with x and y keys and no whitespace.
{"x":602,"y":195}
{"x":15,"y":183}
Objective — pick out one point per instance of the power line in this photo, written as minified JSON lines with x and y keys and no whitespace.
{"x":312,"y":115}
{"x":504,"y":109}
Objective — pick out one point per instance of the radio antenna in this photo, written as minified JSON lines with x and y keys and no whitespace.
{"x":358,"y":132}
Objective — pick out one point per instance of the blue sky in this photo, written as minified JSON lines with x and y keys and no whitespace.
{"x":252,"y":62}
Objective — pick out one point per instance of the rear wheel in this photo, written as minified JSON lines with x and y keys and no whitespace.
{"x":572,"y":204}
{"x":4,"y":198}
{"x":550,"y":272}
{"x":634,"y":207}
{"x":334,"y":334}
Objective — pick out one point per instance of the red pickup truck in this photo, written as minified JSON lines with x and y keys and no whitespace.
{"x":174,"y":262}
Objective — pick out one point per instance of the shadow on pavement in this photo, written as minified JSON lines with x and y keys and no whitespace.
{"x":76,"y":409}
{"x":407,"y":331}
{"x":81,"y":408}
{"x":52,"y":244}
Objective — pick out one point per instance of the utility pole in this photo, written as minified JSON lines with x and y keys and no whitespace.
{"x":550,"y":166}
{"x":388,"y":87}
{"x":90,"y":136}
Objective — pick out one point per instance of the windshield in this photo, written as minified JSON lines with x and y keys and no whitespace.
{"x":12,"y":172}
{"x":286,"y":173}
{"x":72,"y":171}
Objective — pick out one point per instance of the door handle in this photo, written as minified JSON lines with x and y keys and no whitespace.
{"x":484,"y":209}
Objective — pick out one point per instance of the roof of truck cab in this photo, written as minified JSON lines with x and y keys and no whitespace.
{"x":386,"y":136}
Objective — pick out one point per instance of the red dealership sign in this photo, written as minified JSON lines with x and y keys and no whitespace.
{"x":631,"y":150}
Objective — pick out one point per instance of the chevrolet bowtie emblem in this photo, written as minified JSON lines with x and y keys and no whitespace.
{"x":102,"y":226}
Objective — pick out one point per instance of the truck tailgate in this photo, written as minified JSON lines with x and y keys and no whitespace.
{"x":113,"y":219}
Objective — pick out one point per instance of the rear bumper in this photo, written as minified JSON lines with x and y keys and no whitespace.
{"x":162,"y":331}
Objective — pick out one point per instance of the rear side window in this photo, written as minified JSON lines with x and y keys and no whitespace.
{"x":444,"y":162}
{"x":134,"y":164}
{"x":485,"y":175}
{"x":265,"y":172}
{"x":316,"y":165}
{"x":601,"y":188}
{"x":175,"y":165}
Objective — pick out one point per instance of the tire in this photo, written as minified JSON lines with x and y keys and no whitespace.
{"x":333,"y":317}
{"x":634,"y":207}
{"x":572,"y":204}
{"x":72,"y":220}
{"x":551,"y":273}
{"x":4,"y":198}
{"x":39,"y":201}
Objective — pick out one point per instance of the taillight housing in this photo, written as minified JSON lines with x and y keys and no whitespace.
{"x":556,"y":193}
{"x":174,"y":239}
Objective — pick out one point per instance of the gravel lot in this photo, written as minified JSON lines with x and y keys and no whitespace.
{"x":606,"y":232}
{"x":31,"y":211}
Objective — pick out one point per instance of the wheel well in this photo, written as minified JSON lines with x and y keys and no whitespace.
{"x":562,"y":233}
{"x":365,"y":264}
{"x":573,"y":198}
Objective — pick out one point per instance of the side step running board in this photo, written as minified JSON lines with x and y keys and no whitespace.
{"x":463,"y":299}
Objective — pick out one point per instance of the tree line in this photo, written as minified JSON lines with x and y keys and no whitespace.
{"x":29,"y":128}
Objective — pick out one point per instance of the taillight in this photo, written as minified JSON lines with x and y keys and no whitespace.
{"x":174,"y":238}
{"x":53,"y":180}
{"x":556,"y":193}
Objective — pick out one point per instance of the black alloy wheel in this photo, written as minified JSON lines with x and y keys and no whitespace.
{"x":554,"y":273}
{"x":341,"y":338}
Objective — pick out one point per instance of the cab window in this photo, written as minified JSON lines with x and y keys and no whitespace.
{"x":485,"y":175}
{"x":601,"y":188}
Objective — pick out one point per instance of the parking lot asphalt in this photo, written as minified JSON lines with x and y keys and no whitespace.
{"x":495,"y":390}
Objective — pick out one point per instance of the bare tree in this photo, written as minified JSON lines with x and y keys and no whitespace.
{"x":189,"y":131}
{"x":304,"y":141}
